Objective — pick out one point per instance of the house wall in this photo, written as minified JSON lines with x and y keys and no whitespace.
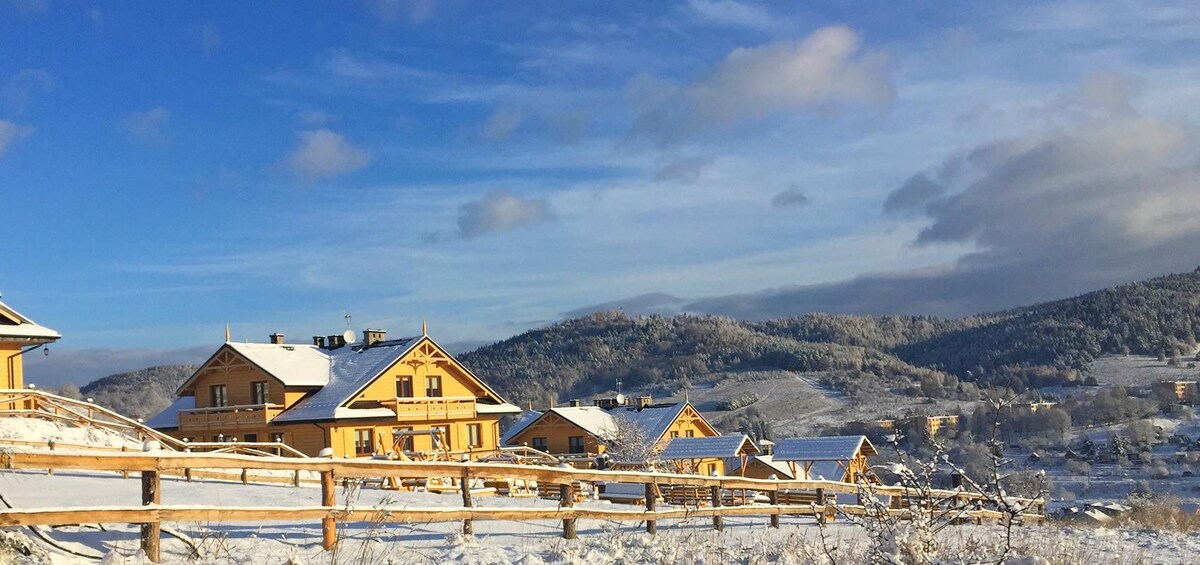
{"x":233,"y":371}
{"x":689,"y":420}
{"x":557,"y":432}
{"x":705,"y":466}
{"x":342,"y":436}
{"x":12,"y":374}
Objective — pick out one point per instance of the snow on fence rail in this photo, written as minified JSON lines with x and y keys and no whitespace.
{"x":152,"y":513}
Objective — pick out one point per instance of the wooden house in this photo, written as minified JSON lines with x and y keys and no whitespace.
{"x":587,"y":431}
{"x":19,"y":335}
{"x":1183,"y":392}
{"x":405,"y":397}
{"x":708,"y":455}
{"x":835,"y":458}
{"x":762,"y":467}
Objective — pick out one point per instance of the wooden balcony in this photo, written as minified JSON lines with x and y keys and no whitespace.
{"x":228,"y":417}
{"x":432,"y":409}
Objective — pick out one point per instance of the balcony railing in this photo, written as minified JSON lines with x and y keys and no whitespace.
{"x":224,"y":417}
{"x":429,"y":409}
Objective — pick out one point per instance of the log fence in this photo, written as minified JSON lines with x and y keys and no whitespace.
{"x":153,"y":466}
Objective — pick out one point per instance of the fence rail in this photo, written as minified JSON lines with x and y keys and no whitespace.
{"x":152,"y":465}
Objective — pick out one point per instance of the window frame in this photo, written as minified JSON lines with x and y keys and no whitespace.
{"x":474,"y":436}
{"x":574,"y":446}
{"x":255,"y":398}
{"x":370,"y":444}
{"x":431,"y":380}
{"x":213,"y":397}
{"x":404,"y":384}
{"x":545,"y":444}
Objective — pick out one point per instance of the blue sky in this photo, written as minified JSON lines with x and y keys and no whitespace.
{"x":170,"y":168}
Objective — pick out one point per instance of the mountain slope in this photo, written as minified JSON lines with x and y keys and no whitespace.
{"x":141,"y":393}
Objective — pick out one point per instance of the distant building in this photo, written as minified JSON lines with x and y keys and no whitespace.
{"x":587,"y":431}
{"x":762,"y":467}
{"x":407,"y":397}
{"x":1041,"y":405}
{"x":19,"y":335}
{"x":935,"y":425}
{"x":1183,"y":392}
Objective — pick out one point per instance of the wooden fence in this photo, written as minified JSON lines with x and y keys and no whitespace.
{"x":561,"y":480}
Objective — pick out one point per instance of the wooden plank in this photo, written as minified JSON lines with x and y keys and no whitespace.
{"x":328,"y":499}
{"x":151,"y":531}
{"x":139,"y":514}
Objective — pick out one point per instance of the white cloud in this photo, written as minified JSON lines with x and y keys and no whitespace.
{"x":209,"y":38}
{"x":826,"y":71}
{"x":500,"y":210}
{"x":501,"y":124}
{"x":687,"y":169}
{"x":10,"y":133}
{"x":25,"y":85}
{"x":325,"y":153}
{"x":147,"y":126}
{"x":730,"y":12}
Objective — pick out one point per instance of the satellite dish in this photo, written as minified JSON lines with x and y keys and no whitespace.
{"x":349,"y":336}
{"x":620,"y":398}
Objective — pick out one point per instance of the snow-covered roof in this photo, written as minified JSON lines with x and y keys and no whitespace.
{"x":708,"y":447}
{"x":498,"y":408}
{"x":350,"y":370}
{"x":169,"y":418}
{"x":653,"y":420}
{"x":519,"y":426}
{"x":600,"y":423}
{"x":293,"y":365}
{"x":832,"y":448}
{"x":13,"y":325}
{"x":782,"y":470}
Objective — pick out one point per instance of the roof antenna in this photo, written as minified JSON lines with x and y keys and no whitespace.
{"x":346,"y":316}
{"x":226,"y":333}
{"x":424,"y":328}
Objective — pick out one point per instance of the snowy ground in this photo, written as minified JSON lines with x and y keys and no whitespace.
{"x":684,"y":541}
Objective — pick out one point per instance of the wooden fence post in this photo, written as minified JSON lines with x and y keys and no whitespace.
{"x":50,"y":444}
{"x":773,"y":498}
{"x":566,"y":499}
{"x":651,"y":501}
{"x":465,"y":487}
{"x":328,"y":499}
{"x":821,"y":504}
{"x":125,"y":473}
{"x":151,"y":494}
{"x":296,"y":478}
{"x":245,"y":477}
{"x":718,"y":522}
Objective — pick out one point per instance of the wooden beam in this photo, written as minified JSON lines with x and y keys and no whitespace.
{"x":151,"y":530}
{"x":328,"y":500}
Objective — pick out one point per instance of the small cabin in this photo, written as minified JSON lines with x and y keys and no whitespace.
{"x":708,"y":455}
{"x":763,"y":467}
{"x":835,"y":458}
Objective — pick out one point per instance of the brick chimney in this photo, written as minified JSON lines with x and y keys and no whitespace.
{"x":575,"y":404}
{"x":335,"y":341}
{"x":277,"y":338}
{"x":644,"y":401}
{"x":319,"y":341}
{"x":371,"y":337}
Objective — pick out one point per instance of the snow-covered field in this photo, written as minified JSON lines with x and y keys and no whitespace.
{"x":745,"y":540}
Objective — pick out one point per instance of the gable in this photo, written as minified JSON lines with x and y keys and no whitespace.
{"x":549,"y":424}
{"x":226,"y":363}
{"x":425,"y":359}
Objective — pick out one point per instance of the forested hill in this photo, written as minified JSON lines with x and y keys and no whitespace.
{"x":137,"y":394}
{"x":1038,"y":344}
{"x":586,"y":355}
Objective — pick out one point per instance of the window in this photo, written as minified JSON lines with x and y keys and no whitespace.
{"x":364,"y":441}
{"x":712,"y":469}
{"x":403,"y":387}
{"x":674,"y":435}
{"x":252,"y":437}
{"x":691,"y":433}
{"x":443,"y":437}
{"x":405,"y":442}
{"x":539,"y":443}
{"x":433,"y":386}
{"x":575,"y":444}
{"x":277,"y":437}
{"x":217,"y":396}
{"x":474,"y":436}
{"x":258,"y":392}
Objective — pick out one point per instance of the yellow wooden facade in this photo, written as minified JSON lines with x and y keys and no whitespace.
{"x":457,"y":417}
{"x":562,"y":430}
